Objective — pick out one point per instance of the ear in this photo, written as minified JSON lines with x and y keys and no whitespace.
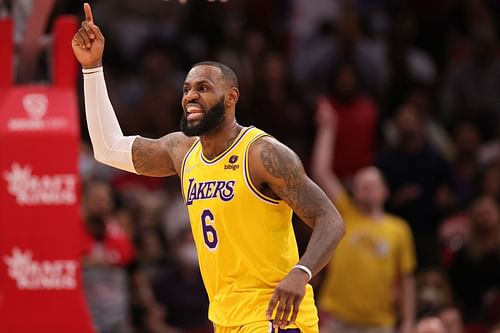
{"x":232,"y":97}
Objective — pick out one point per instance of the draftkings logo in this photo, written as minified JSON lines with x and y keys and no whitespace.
{"x":31,"y":274}
{"x":35,"y":106}
{"x":32,"y":190}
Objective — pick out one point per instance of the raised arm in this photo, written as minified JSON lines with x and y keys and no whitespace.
{"x":275,"y":167}
{"x":160,"y":157}
{"x":324,"y":149}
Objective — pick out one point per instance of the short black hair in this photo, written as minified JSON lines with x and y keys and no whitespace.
{"x":228,"y":75}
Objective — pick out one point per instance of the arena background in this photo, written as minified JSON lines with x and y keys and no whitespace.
{"x":376,"y":60}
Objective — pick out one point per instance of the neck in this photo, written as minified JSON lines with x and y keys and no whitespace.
{"x":375,"y":213}
{"x":215,"y":143}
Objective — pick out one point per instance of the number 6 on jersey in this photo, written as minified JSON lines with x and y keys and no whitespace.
{"x":209,"y":232}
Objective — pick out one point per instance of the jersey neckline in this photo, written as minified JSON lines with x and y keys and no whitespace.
{"x":240,"y":136}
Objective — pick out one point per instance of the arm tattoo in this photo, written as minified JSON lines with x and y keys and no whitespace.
{"x":141,"y":152}
{"x":155,"y":157}
{"x":298,"y":190}
{"x":285,"y":176}
{"x":173,"y":148}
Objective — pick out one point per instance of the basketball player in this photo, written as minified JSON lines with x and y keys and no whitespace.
{"x":240,"y":186}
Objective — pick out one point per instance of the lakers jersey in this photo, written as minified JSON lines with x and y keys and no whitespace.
{"x":245,"y":240}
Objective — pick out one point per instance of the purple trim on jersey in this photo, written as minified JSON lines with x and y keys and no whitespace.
{"x":280,"y":330}
{"x":289,"y":330}
{"x":247,"y":177}
{"x":183,"y":167}
{"x":227,"y":150}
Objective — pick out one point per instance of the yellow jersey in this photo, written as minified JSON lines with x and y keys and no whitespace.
{"x":245,"y":241}
{"x":359,"y":287}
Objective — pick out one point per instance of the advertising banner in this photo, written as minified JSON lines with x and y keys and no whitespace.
{"x":40,"y":223}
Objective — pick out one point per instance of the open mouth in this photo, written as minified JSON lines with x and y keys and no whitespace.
{"x":194,"y":112}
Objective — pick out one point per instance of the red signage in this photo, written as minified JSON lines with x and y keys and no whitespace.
{"x":40,"y":224}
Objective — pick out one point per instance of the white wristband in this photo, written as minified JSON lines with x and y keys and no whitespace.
{"x":305,"y":269}
{"x":92,"y":70}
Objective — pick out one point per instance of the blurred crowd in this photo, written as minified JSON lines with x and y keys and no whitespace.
{"x":415,"y":86}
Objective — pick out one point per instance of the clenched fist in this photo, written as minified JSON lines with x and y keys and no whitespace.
{"x":88,"y":42}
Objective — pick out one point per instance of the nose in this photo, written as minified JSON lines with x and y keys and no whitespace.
{"x":191,"y":95}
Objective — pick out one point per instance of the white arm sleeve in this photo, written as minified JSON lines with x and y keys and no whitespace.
{"x":110,"y":146}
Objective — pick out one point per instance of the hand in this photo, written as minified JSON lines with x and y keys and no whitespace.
{"x":326,"y":115}
{"x":287,"y":297}
{"x":88,"y":42}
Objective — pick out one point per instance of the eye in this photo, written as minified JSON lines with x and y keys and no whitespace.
{"x":203,"y":88}
{"x":185,"y":90}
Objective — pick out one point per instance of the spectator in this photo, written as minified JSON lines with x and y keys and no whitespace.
{"x":109,"y":250}
{"x":475,"y":270}
{"x":489,"y":180}
{"x":376,"y":255}
{"x":471,"y":86}
{"x":419,"y":180}
{"x":453,"y":232}
{"x":436,"y":135}
{"x":357,"y":119}
{"x":179,"y":288}
{"x":343,"y":39}
{"x":433,"y":291}
{"x":452,"y":319}
{"x":408,"y":66}
{"x":147,"y":314}
{"x":465,"y":165}
{"x":422,"y":97}
{"x":274,"y":93}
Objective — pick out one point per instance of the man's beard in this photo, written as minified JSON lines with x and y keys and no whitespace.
{"x":212,"y":119}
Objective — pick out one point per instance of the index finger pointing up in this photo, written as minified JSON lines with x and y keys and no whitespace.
{"x":88,"y":12}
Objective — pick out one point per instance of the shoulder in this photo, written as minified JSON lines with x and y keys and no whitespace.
{"x":178,"y":145}
{"x":398,"y":223}
{"x":177,"y":141}
{"x":267,"y":147}
{"x":271,"y":156}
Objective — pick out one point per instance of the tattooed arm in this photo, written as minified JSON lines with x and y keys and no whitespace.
{"x":160,"y":157}
{"x":278,"y":172}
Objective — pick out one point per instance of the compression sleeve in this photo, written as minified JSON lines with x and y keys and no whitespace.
{"x":110,"y":146}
